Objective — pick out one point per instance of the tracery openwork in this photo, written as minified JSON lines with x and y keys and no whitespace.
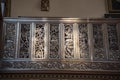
{"x":83,"y":41}
{"x":99,"y":47}
{"x":68,"y":38}
{"x":9,"y":41}
{"x":39,"y":41}
{"x":24,"y":49}
{"x":114,"y":52}
{"x":54,"y":41}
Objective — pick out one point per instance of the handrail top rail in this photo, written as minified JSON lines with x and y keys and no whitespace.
{"x":58,"y":19}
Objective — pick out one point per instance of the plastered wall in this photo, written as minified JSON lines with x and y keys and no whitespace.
{"x":60,"y":8}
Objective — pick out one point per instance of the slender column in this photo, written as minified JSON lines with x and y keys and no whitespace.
{"x":1,"y":24}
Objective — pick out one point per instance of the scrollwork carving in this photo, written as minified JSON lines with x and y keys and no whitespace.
{"x":39,"y":41}
{"x":114,"y":52}
{"x":54,"y":41}
{"x":58,"y":65}
{"x":68,"y":35}
{"x":9,"y":41}
{"x":83,"y":41}
{"x":99,"y":47}
{"x":24,"y":50}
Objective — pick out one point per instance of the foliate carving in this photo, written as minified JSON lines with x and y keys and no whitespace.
{"x":114,"y":52}
{"x":24,"y":49}
{"x":58,"y":65}
{"x":54,"y":41}
{"x":68,"y":41}
{"x":99,"y":48}
{"x":39,"y":41}
{"x":10,"y":41}
{"x":83,"y":41}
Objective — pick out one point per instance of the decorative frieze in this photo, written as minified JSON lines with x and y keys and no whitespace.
{"x":60,"y":65}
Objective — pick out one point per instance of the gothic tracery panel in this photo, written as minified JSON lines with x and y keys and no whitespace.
{"x":99,"y":48}
{"x":114,"y":52}
{"x":54,"y":41}
{"x":68,"y":41}
{"x":83,"y":41}
{"x":24,"y":49}
{"x":39,"y":41}
{"x":10,"y":41}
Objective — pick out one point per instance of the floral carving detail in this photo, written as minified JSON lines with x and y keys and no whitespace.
{"x":83,"y":41}
{"x":39,"y":41}
{"x":58,"y":65}
{"x":68,"y":35}
{"x":54,"y":41}
{"x":99,"y":48}
{"x":10,"y":41}
{"x":24,"y":50}
{"x":114,"y":52}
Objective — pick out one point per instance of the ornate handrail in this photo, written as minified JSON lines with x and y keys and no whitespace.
{"x":61,"y":44}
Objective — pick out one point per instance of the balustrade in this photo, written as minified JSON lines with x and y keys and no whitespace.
{"x":61,"y":44}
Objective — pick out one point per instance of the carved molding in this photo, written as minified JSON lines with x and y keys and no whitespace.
{"x":59,"y":76}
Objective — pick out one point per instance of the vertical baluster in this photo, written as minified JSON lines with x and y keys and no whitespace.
{"x":76,"y":41}
{"x":62,"y":47}
{"x":17,"y":40}
{"x":46,"y":39}
{"x":90,"y":40}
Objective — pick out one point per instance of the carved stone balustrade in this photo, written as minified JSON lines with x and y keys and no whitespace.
{"x":60,"y":44}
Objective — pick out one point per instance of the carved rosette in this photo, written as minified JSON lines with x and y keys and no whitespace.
{"x":39,"y":41}
{"x":9,"y":41}
{"x":83,"y":41}
{"x":24,"y":50}
{"x":114,"y":52}
{"x":99,"y":47}
{"x":68,"y":41}
{"x":54,"y":41}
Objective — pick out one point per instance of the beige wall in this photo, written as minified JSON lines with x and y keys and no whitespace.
{"x":60,"y":8}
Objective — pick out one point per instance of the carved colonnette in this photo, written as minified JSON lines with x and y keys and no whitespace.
{"x":66,"y":44}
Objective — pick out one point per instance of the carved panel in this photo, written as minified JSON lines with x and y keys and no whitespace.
{"x":68,"y":41}
{"x":83,"y":41}
{"x":60,"y":65}
{"x":24,"y":49}
{"x":54,"y":41}
{"x":9,"y":41}
{"x":114,"y":52}
{"x":99,"y":47}
{"x":39,"y":41}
